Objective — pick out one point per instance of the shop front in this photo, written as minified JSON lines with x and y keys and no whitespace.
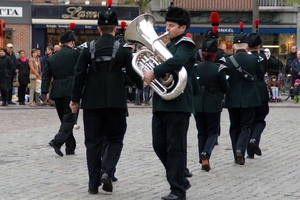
{"x":48,"y":21}
{"x":278,"y":30}
{"x":17,"y":20}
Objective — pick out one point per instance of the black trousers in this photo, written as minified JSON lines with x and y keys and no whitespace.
{"x":98,"y":123}
{"x":67,"y":119}
{"x":4,"y":96}
{"x":241,"y":120}
{"x":208,"y":126}
{"x":169,"y":135}
{"x":21,"y":93}
{"x":9,"y":95}
{"x":259,"y":124}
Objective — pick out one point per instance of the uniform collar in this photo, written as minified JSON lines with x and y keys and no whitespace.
{"x":241,"y":51}
{"x":175,"y":39}
{"x":107,"y":35}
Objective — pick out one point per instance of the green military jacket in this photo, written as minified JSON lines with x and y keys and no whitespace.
{"x":103,"y":86}
{"x":220,"y":54}
{"x":60,"y":66}
{"x":260,"y":81}
{"x":242,"y":93}
{"x":212,"y":87}
{"x":183,"y":51}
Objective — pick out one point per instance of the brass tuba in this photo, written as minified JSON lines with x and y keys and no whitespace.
{"x":141,"y":30}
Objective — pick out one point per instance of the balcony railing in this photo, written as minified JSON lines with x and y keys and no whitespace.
{"x":221,"y":5}
{"x":273,"y":3}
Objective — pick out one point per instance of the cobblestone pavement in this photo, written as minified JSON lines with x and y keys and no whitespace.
{"x":31,"y":170}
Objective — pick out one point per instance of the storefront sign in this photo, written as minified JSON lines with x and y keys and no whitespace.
{"x":225,"y":30}
{"x":11,"y":12}
{"x":78,"y":13}
{"x":66,"y":26}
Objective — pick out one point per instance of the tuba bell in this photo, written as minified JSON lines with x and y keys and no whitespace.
{"x":141,"y":30}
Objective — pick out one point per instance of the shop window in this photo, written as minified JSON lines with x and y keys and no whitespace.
{"x":8,"y":36}
{"x":279,"y":43}
{"x":51,"y":30}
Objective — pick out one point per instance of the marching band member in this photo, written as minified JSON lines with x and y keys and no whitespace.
{"x":170,"y":120}
{"x":99,"y":84}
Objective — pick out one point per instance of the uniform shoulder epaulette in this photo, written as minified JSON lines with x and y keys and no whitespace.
{"x":185,"y":39}
{"x":222,"y":67}
{"x":127,"y":46}
{"x":223,"y":59}
{"x":83,"y":46}
{"x":260,"y":59}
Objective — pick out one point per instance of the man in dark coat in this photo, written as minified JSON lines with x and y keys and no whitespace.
{"x":10,"y":53}
{"x":60,"y":67}
{"x":100,"y":86}
{"x":262,"y":111}
{"x":6,"y":71}
{"x":292,"y":55}
{"x":170,"y":119}
{"x":296,"y":68}
{"x":242,"y":96}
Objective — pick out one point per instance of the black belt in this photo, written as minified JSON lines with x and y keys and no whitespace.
{"x":209,"y":89}
{"x":63,"y":77}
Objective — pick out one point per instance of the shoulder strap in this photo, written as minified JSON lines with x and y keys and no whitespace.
{"x":234,"y":62}
{"x":115,"y":50}
{"x":92,"y":51}
{"x":200,"y":53}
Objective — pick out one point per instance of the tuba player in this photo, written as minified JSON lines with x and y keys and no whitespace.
{"x":170,"y":120}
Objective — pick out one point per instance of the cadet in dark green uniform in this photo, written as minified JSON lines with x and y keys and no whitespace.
{"x":208,"y":103}
{"x":60,"y":67}
{"x":170,"y":119}
{"x":100,"y":86}
{"x":242,"y":96}
{"x":262,"y":111}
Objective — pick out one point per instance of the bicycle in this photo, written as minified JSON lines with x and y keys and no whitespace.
{"x":286,"y":85}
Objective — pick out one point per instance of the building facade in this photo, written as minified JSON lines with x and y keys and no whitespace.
{"x":37,"y":23}
{"x":17,"y":18}
{"x":277,"y":21}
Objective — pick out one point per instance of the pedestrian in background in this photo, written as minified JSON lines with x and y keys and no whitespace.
{"x":6,"y":71}
{"x":296,"y":91}
{"x":296,"y":68}
{"x":23,"y":71}
{"x":35,"y":75}
{"x":60,"y":68}
{"x":56,"y":48}
{"x":49,"y":52}
{"x":242,"y":96}
{"x":10,"y":53}
{"x":99,"y":85}
{"x":292,"y":55}
{"x":170,"y":120}
{"x":212,"y":86}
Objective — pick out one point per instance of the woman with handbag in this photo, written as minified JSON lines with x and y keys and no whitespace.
{"x":23,"y":76}
{"x":35,"y":75}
